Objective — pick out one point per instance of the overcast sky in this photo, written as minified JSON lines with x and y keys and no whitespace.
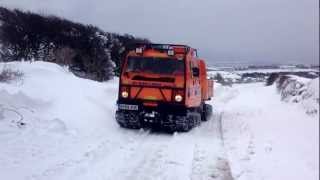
{"x":260,"y":31}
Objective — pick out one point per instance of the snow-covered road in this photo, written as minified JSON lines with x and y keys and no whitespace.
{"x":70,"y":133}
{"x":140,"y":155}
{"x":152,"y":155}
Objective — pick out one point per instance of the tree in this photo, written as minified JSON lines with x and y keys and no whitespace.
{"x":86,"y":49}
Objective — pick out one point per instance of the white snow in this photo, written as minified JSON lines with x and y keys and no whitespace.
{"x":277,"y":70}
{"x":56,"y":126}
{"x":266,"y":138}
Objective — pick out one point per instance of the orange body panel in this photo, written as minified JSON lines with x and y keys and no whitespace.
{"x":194,"y":89}
{"x":206,"y":84}
{"x":151,"y":94}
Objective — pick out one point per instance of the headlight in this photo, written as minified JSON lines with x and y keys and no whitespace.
{"x":139,"y":50}
{"x":178,"y":98}
{"x":124,"y":94}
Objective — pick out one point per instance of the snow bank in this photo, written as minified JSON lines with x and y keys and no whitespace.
{"x":300,"y":90}
{"x":266,"y":138}
{"x":48,"y":116}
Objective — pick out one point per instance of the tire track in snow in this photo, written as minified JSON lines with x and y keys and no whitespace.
{"x":104,"y":165}
{"x":152,"y":164}
{"x":191,"y":155}
{"x":209,"y":157}
{"x":78,"y":166}
{"x":155,"y":158}
{"x":223,"y":163}
{"x":142,"y":155}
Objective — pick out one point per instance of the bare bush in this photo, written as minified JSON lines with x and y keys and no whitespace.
{"x":282,"y":82}
{"x":64,"y":55}
{"x":223,"y":81}
{"x":292,"y":90}
{"x":272,"y":78}
{"x":8,"y":75}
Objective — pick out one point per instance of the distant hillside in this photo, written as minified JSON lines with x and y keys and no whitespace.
{"x":87,"y":50}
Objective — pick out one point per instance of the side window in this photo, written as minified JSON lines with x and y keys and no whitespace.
{"x":194,"y":70}
{"x":190,"y":66}
{"x":195,"y":54}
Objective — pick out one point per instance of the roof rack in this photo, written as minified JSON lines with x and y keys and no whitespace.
{"x":151,"y":45}
{"x":161,"y":47}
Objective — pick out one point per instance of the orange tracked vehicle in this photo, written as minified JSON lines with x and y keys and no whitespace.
{"x":163,"y":85}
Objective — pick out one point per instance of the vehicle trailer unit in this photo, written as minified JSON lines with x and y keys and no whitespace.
{"x":163,"y":86}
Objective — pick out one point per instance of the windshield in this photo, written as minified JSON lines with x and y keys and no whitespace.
{"x":155,"y":65}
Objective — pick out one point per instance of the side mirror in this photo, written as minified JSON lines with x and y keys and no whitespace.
{"x":195,"y":72}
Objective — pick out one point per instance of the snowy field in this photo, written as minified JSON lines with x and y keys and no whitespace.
{"x":258,"y":75}
{"x":55,"y":126}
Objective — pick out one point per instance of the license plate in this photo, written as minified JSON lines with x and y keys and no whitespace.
{"x":128,"y":107}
